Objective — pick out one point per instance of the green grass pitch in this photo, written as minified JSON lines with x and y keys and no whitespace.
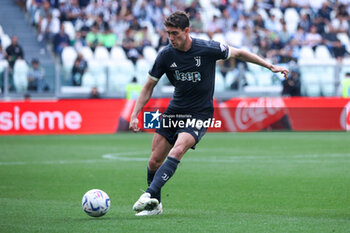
{"x":232,"y":182}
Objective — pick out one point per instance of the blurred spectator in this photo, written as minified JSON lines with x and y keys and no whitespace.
{"x":2,"y":73}
{"x":235,"y":10}
{"x":54,"y":3}
{"x":213,"y":26}
{"x":119,"y":26}
{"x":94,"y":9}
{"x":273,"y":24}
{"x":163,"y":40}
{"x":36,"y":77}
{"x":225,"y":21}
{"x":134,"y":24}
{"x":99,"y":21}
{"x":79,"y":42}
{"x":284,"y":34}
{"x":325,"y":12}
{"x":142,"y":39}
{"x":2,"y":53}
{"x":299,"y":37}
{"x":50,"y":26}
{"x":34,"y":7}
{"x":74,"y":11}
{"x":26,"y":97}
{"x":94,"y":94}
{"x":83,"y":3}
{"x":192,"y":9}
{"x":287,"y":54}
{"x":133,"y":89}
{"x":140,"y":11}
{"x":291,"y":85}
{"x":226,"y":66}
{"x":44,"y":12}
{"x":323,"y":17}
{"x":234,"y":37}
{"x":60,"y":41}
{"x":79,"y":68}
{"x":129,"y":46}
{"x":338,"y":50}
{"x":330,"y":37}
{"x":108,"y":38}
{"x":125,"y":8}
{"x":276,"y":48}
{"x":155,"y":13}
{"x":245,"y":22}
{"x":240,"y":79}
{"x":14,"y":51}
{"x":340,"y":23}
{"x":249,"y":37}
{"x":64,"y":10}
{"x":93,"y":38}
{"x":313,"y":38}
{"x":263,"y":48}
{"x":346,"y":86}
{"x":259,"y":23}
{"x":83,"y":24}
{"x":305,"y":22}
{"x":197,"y":24}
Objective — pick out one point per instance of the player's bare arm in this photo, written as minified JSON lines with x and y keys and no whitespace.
{"x":253,"y":58}
{"x":141,"y":101}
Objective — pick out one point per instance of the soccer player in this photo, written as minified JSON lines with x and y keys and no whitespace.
{"x":189,"y":64}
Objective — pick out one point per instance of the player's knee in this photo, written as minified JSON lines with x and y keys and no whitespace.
{"x":154,"y":163}
{"x":177,"y":151}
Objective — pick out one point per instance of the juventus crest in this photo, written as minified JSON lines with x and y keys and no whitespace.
{"x":198,"y":60}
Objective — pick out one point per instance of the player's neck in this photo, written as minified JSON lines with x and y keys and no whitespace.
{"x":187,"y":45}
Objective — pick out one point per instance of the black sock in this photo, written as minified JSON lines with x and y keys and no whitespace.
{"x":163,"y":174}
{"x":150,"y":176}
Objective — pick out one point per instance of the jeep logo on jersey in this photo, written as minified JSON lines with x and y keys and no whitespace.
{"x":188,"y":76}
{"x":198,"y":61}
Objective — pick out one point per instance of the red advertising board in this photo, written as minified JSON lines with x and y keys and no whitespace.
{"x":107,"y":116}
{"x":60,"y":117}
{"x":297,"y":113}
{"x":316,"y":114}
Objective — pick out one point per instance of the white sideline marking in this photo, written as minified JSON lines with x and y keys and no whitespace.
{"x":230,"y":159}
{"x":123,"y":156}
{"x":50,"y":162}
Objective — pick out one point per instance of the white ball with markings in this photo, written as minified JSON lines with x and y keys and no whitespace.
{"x":96,"y":203}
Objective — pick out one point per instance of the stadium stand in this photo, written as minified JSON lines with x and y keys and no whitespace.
{"x":13,"y":22}
{"x":278,"y":30}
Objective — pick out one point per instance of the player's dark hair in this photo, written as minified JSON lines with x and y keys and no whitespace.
{"x":178,"y":19}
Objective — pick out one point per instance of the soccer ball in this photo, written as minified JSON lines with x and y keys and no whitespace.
{"x":96,"y":203}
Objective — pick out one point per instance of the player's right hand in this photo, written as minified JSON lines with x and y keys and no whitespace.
{"x":133,"y":126}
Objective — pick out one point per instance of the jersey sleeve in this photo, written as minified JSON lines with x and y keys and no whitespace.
{"x":219,"y":50}
{"x":157,"y":69}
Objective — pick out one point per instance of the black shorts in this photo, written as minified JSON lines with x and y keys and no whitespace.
{"x":173,"y":123}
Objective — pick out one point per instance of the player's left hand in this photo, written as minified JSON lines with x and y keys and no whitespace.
{"x":277,"y":69}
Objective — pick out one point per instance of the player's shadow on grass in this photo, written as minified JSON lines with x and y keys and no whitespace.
{"x":114,"y":218}
{"x":87,"y":219}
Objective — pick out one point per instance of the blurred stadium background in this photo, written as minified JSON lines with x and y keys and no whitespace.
{"x":119,"y":39}
{"x":59,"y":50}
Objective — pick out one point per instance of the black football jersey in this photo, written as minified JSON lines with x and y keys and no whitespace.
{"x":192,"y":73}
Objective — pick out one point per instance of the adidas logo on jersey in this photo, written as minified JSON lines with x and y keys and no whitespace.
{"x":173,"y":65}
